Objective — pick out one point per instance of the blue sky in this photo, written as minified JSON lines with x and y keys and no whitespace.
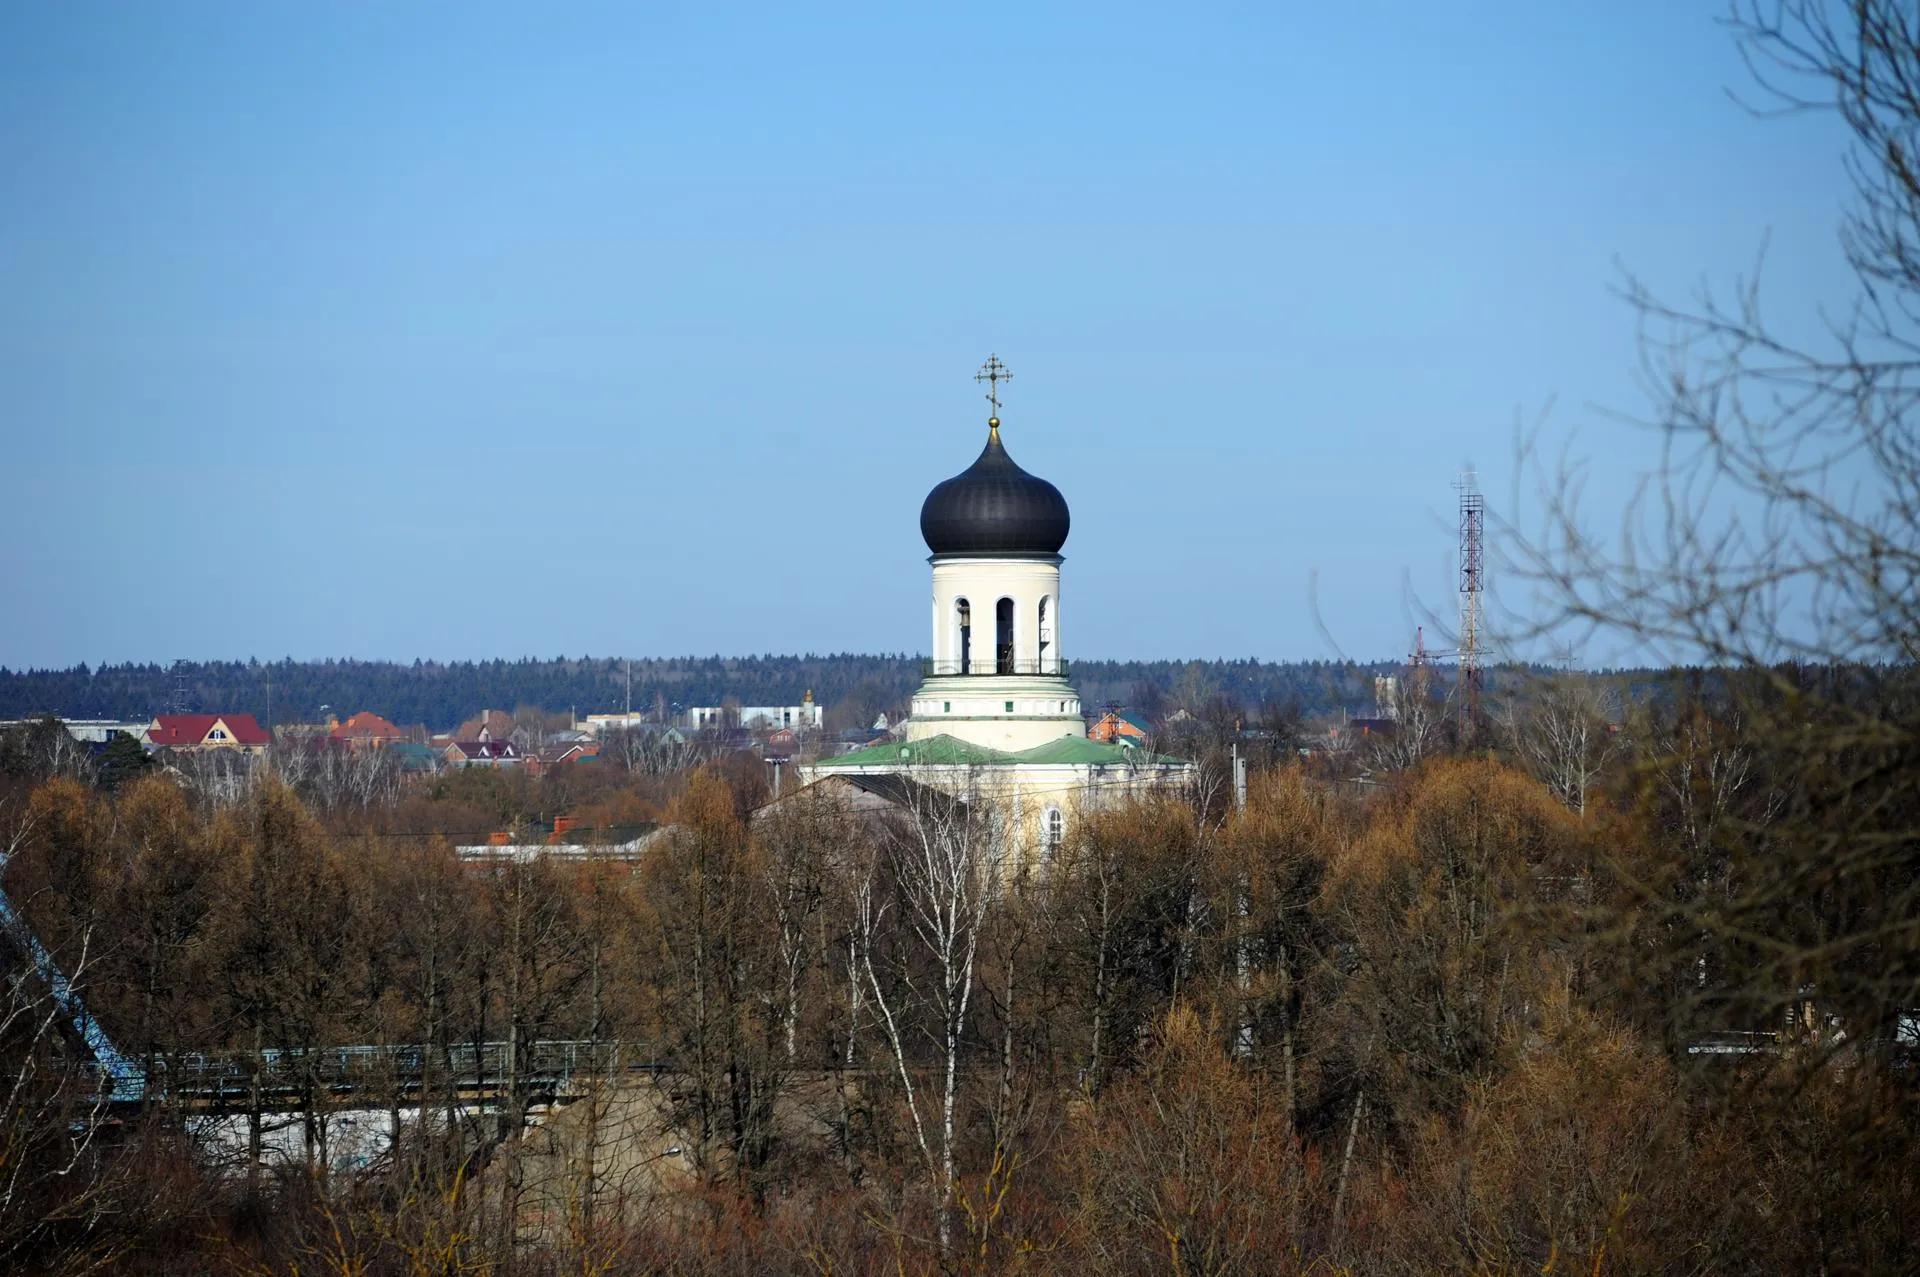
{"x":464,"y":331}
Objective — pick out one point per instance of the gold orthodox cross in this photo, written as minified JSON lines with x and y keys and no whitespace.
{"x":993,"y":372}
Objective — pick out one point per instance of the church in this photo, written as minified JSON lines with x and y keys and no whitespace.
{"x":995,"y":717}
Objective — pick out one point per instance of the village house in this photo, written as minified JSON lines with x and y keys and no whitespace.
{"x":189,"y":733}
{"x":367,"y":730}
{"x":1116,"y":728}
{"x":557,"y":751}
{"x":483,"y":753}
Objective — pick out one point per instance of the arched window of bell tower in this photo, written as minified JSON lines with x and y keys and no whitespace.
{"x":963,"y":615}
{"x":1045,"y":633}
{"x":1003,"y":636}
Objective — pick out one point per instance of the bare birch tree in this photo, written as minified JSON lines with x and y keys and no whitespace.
{"x":651,"y":751}
{"x":1564,"y":731}
{"x":945,"y":857}
{"x":1421,"y":727}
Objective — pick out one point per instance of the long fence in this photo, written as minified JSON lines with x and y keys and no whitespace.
{"x":285,"y":1079}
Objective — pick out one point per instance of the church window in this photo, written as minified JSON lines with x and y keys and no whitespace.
{"x":964,"y":611}
{"x":1045,"y":632}
{"x":1053,"y":832}
{"x":946,"y":707}
{"x":1003,"y":636}
{"x":1009,"y":707}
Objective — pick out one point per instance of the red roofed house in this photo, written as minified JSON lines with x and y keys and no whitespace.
{"x":189,"y":732}
{"x":368,"y":730}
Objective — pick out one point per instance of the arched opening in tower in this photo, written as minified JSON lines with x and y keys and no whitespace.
{"x":965,"y":612}
{"x":1045,"y":633}
{"x":1003,"y":636}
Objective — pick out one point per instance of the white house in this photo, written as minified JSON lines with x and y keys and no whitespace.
{"x":806,"y":716}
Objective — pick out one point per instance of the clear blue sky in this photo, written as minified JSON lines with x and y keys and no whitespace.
{"x":465,"y":331}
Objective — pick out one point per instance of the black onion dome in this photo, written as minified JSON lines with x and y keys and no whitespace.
{"x":994,"y":507}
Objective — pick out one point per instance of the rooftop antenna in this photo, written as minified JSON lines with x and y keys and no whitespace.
{"x":993,"y":372}
{"x":1473,"y":529}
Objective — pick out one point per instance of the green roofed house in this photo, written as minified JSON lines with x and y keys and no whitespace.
{"x":415,"y":758}
{"x":995,"y":717}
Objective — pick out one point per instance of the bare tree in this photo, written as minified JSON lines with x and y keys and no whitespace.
{"x":44,"y":748}
{"x":54,"y":1180}
{"x":50,"y":1179}
{"x":1778,"y":541}
{"x":221,"y":777}
{"x":651,"y":751}
{"x":797,"y":842}
{"x":724,"y":983}
{"x":333,"y":776}
{"x":946,"y":858}
{"x":1565,"y":731}
{"x":1421,"y":726}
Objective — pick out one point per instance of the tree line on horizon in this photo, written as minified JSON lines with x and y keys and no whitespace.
{"x":853,"y":687}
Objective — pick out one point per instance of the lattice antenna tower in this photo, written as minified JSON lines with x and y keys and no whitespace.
{"x":178,"y":704}
{"x":1419,"y":665}
{"x":1473,"y":581}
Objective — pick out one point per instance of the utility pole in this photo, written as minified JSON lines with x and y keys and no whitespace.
{"x":1242,"y":908}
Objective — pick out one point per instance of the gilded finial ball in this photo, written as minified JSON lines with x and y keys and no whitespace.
{"x":993,"y":423}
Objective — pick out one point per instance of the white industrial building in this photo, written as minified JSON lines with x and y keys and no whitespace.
{"x":806,"y":716}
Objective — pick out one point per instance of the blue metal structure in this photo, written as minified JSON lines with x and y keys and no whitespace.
{"x":222,"y":1080}
{"x":126,"y":1081}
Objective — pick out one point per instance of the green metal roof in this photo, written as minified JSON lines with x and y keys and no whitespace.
{"x":936,"y":751}
{"x":413,"y":756}
{"x":948,"y":751}
{"x":1078,"y":749}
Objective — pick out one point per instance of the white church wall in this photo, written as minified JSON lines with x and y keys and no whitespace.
{"x":1042,"y":710}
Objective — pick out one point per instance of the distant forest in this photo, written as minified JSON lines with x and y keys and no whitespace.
{"x":854,"y":688}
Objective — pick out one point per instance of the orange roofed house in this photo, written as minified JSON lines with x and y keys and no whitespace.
{"x":367,"y":730}
{"x":1116,"y":728}
{"x":191,"y":732}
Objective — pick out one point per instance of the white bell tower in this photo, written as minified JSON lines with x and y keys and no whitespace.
{"x":998,"y":676}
